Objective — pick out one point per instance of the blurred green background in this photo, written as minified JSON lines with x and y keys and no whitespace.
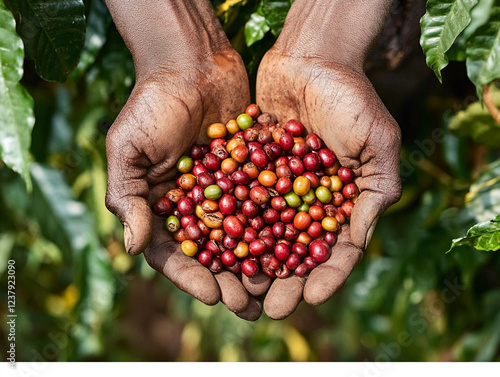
{"x":80,"y":297}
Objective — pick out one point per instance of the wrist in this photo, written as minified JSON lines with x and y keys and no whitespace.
{"x":340,"y":31}
{"x":168,"y":32}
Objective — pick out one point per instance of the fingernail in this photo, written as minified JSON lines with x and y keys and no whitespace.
{"x":127,"y":237}
{"x":371,"y":229}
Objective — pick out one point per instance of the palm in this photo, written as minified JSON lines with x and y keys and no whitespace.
{"x":341,"y":106}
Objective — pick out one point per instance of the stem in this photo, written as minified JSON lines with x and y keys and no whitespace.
{"x":490,"y":105}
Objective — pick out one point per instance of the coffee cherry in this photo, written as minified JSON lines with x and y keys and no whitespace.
{"x":213,"y":192}
{"x":216,"y":265}
{"x":163,"y":206}
{"x":241,"y":250}
{"x":312,"y":161}
{"x":249,"y":267}
{"x":292,"y":199}
{"x":301,"y":185}
{"x":172,"y":224}
{"x":257,"y":223}
{"x":296,"y":166}
{"x":233,"y":226}
{"x":286,"y":142}
{"x":330,"y":224}
{"x":252,"y":110}
{"x":184,"y":164}
{"x":205,"y":258}
{"x":239,"y":177}
{"x":259,"y":195}
{"x":327,"y":157}
{"x":187,"y":220}
{"x":294,"y":127}
{"x":300,"y":148}
{"x":249,"y":235}
{"x":186,"y":206}
{"x":315,"y":229}
{"x":302,"y":220}
{"x":175,"y":195}
{"x":300,"y":249}
{"x":330,"y":238}
{"x":319,"y":251}
{"x":257,"y":247}
{"x":228,"y":258}
{"x":301,"y":270}
{"x":232,"y":126}
{"x":281,"y":251}
{"x":240,"y":153}
{"x":244,"y":121}
{"x":313,"y":141}
{"x":259,"y":158}
{"x":323,"y":194}
{"x":278,"y":229}
{"x":350,"y":191}
{"x":189,"y":248}
{"x":227,"y":204}
{"x":267,"y":178}
{"x":345,"y":174}
{"x":293,"y":261}
{"x":282,"y":272}
{"x":216,"y":130}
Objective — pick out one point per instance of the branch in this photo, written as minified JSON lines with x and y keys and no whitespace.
{"x":490,"y":105}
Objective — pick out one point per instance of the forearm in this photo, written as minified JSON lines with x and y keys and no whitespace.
{"x":334,"y":30}
{"x":161,"y":31}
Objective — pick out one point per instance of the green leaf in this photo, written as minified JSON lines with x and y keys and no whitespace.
{"x":483,"y":52}
{"x":98,"y":21}
{"x":275,"y":12}
{"x":440,"y":26}
{"x":479,"y":16}
{"x":484,"y":236}
{"x":16,"y":105}
{"x":53,"y":33}
{"x":483,"y":198}
{"x":69,"y":225}
{"x":477,"y":123}
{"x":255,"y":28}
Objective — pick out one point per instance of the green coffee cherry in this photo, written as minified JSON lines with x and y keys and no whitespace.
{"x":213,"y":192}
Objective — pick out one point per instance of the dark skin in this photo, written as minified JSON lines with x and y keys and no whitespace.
{"x":188,"y":77}
{"x":321,"y":82}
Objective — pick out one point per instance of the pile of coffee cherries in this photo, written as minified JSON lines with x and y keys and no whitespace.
{"x":263,"y":196}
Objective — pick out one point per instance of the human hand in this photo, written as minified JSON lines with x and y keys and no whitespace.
{"x":173,"y":102}
{"x":334,"y":99}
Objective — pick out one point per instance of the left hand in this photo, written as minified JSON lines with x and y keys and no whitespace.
{"x":339,"y":104}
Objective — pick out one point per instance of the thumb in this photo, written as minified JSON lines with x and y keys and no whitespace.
{"x":370,"y":204}
{"x":127,"y":190}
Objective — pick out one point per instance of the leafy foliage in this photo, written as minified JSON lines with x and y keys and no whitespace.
{"x":484,"y":236}
{"x":16,"y":105}
{"x":472,"y":29}
{"x":441,"y":25}
{"x":477,"y":123}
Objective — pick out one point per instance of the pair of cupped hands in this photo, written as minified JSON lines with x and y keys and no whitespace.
{"x":169,"y":110}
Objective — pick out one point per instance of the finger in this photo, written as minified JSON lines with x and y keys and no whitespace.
{"x":379,"y":184}
{"x":233,"y":294}
{"x":253,"y":311}
{"x":327,"y":278}
{"x":127,"y":190}
{"x":165,"y":256}
{"x":256,"y":285}
{"x":283,"y":297}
